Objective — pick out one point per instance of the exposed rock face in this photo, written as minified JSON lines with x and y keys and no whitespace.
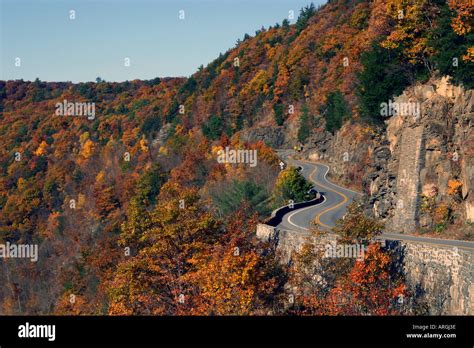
{"x":346,"y":152}
{"x":272,"y":136}
{"x":407,"y":207}
{"x":162,"y":134}
{"x":427,"y":153}
{"x":265,"y":232}
{"x":406,"y":170}
{"x":289,"y":242}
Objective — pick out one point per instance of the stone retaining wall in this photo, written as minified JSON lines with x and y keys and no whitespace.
{"x":442,"y":277}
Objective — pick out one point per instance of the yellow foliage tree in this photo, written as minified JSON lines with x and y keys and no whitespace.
{"x":281,"y":82}
{"x":453,"y":187}
{"x":413,"y":21}
{"x":88,"y":149}
{"x":462,"y":23}
{"x":41,"y":150}
{"x":144,"y":144}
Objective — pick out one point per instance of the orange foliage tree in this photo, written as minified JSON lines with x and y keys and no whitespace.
{"x":234,"y":277}
{"x":150,"y":280}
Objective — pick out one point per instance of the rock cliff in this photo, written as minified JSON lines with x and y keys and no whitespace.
{"x":425,"y":179}
{"x":417,"y":173}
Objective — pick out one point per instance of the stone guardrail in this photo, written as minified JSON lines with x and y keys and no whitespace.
{"x":266,"y":231}
{"x":277,"y":215}
{"x":443,"y":274}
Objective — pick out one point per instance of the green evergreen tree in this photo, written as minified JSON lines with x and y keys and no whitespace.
{"x":238,"y":192}
{"x":305,"y":124}
{"x":278,"y":110}
{"x":305,"y":14}
{"x":336,"y":111}
{"x":384,"y":75}
{"x":213,"y":128}
{"x":450,"y":48}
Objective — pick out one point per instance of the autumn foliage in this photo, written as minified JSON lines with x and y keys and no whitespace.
{"x":130,"y":209}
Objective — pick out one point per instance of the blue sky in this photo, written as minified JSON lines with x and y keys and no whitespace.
{"x":53,"y":47}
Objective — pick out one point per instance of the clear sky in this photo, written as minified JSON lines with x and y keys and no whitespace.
{"x":150,"y":33}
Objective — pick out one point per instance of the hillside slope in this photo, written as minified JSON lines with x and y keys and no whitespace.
{"x":83,"y":187}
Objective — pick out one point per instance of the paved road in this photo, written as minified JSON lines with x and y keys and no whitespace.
{"x":333,"y":207}
{"x":326,"y":213}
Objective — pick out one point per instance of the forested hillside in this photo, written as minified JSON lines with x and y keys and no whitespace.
{"x":131,"y":210}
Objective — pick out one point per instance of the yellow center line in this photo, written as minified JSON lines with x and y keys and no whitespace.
{"x":299,"y":210}
{"x":345,"y":199}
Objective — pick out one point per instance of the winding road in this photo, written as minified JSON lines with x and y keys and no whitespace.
{"x":333,"y":207}
{"x":326,"y":213}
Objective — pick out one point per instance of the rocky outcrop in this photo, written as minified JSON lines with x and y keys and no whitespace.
{"x":288,"y":242}
{"x":424,"y":178}
{"x":265,"y":232}
{"x":162,"y":135}
{"x":272,"y":136}
{"x":346,"y":152}
{"x":406,"y":215}
{"x":412,"y":170}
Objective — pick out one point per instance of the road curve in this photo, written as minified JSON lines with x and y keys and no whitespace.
{"x":333,"y":207}
{"x":326,"y":213}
